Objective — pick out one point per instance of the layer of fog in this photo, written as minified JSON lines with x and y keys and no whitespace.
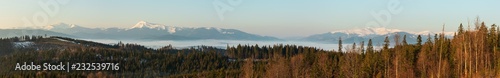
{"x":221,"y":43}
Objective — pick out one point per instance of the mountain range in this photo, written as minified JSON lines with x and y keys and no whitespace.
{"x":376,"y":34}
{"x":151,"y":31}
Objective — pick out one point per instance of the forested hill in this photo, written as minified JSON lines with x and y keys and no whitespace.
{"x":472,"y":52}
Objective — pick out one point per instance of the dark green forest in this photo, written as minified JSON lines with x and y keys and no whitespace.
{"x":472,"y":52}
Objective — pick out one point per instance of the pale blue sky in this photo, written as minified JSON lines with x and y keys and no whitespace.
{"x":280,"y":18}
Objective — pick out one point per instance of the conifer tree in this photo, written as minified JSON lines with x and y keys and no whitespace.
{"x":369,"y":49}
{"x":436,"y":38}
{"x":362,"y":47}
{"x":460,"y":29}
{"x":493,"y":36}
{"x":354,"y":47}
{"x":386,"y":43}
{"x":340,"y":44}
{"x":386,"y":54}
{"x":419,"y":40}
{"x":429,"y":41}
{"x":404,"y":40}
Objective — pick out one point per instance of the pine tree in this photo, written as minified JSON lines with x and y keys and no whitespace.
{"x":493,"y":36}
{"x":419,"y":40}
{"x":256,"y":52}
{"x":362,"y":47}
{"x":371,"y":64}
{"x":483,"y":28}
{"x":369,"y":49}
{"x":340,"y":44}
{"x":435,"y":38}
{"x":460,"y":29}
{"x":429,"y":41}
{"x":404,"y":40}
{"x":353,"y":48}
{"x":386,"y":43}
{"x":386,"y":54}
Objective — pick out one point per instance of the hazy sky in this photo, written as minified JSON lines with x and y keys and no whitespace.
{"x":280,"y":18}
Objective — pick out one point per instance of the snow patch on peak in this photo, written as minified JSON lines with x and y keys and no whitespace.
{"x":384,"y":31}
{"x":142,"y":24}
{"x":368,"y":31}
{"x":210,"y":28}
{"x":171,"y":30}
{"x":59,"y":26}
{"x":220,"y":30}
{"x":223,"y":31}
{"x":432,"y":33}
{"x":72,"y":26}
{"x":424,"y":33}
{"x":48,"y":27}
{"x":227,"y":32}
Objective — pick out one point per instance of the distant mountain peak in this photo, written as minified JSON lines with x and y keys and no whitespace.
{"x":383,"y":31}
{"x":368,"y":31}
{"x":59,"y":26}
{"x":363,"y":34}
{"x":143,"y":30}
{"x":142,"y":24}
{"x":149,"y":25}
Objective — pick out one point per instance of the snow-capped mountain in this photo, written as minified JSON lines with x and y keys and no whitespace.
{"x":142,"y":24}
{"x":59,"y":26}
{"x":69,"y":28}
{"x":151,"y":31}
{"x":383,"y":31}
{"x":368,"y":31}
{"x":376,"y":34}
